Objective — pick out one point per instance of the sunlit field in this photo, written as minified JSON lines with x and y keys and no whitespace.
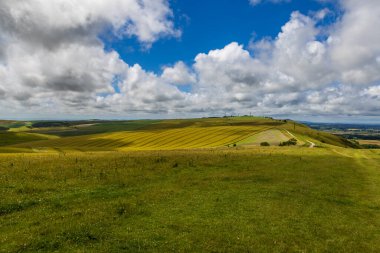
{"x":256,"y":199}
{"x":165,"y":135}
{"x":188,"y":186}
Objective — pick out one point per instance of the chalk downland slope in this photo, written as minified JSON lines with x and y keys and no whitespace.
{"x":185,"y":134}
{"x":272,"y":136}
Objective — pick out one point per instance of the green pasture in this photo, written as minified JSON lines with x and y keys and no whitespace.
{"x":273,"y":199}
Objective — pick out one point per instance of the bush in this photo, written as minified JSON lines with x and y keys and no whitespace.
{"x":371,"y":146}
{"x":290,"y":142}
{"x":265,"y":144}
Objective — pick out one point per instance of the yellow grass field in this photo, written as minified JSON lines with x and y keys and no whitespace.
{"x":165,"y":135}
{"x":272,"y":136}
{"x":180,"y":138}
{"x":369,"y":142}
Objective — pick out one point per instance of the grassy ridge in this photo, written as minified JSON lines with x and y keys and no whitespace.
{"x":93,"y":127}
{"x":12,"y":123}
{"x":187,"y":137}
{"x":150,"y":188}
{"x":178,"y":134}
{"x":254,"y":200}
{"x":304,"y":132}
{"x":11,"y":138}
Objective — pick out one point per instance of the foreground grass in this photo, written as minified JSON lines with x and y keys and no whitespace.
{"x":261,"y":199}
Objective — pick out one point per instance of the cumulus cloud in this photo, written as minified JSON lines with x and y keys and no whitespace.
{"x":297,"y":72}
{"x":52,"y":23}
{"x":354,"y":43}
{"x":51,"y":49}
{"x":179,"y":74}
{"x":52,"y":61}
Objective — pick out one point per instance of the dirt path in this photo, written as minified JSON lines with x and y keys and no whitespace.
{"x":312,"y":144}
{"x":292,"y":135}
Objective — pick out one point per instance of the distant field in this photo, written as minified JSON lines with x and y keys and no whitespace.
{"x":11,"y":138}
{"x":88,"y":128}
{"x":272,"y":136}
{"x":160,"y":134}
{"x":182,"y":138}
{"x":372,"y":142}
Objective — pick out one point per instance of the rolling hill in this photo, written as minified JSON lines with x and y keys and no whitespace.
{"x":192,"y":185}
{"x":164,"y":135}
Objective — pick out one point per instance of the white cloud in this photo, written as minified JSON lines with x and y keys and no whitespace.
{"x":294,"y":73}
{"x":373,"y":92}
{"x":179,"y":74}
{"x":354,"y":42}
{"x":52,"y":62}
{"x":51,"y":55}
{"x":58,"y":21}
{"x":321,"y":14}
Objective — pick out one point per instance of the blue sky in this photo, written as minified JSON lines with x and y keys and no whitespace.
{"x":300,"y":59}
{"x":211,"y":24}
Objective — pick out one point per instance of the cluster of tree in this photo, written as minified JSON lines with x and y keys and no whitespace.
{"x":3,"y":128}
{"x":361,"y":136}
{"x":290,"y":142}
{"x":371,"y":146}
{"x":64,"y":123}
{"x":50,"y":124}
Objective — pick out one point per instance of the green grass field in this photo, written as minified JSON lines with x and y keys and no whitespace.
{"x":11,"y":138}
{"x":257,"y":199}
{"x":182,"y":186}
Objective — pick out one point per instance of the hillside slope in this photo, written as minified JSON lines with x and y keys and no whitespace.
{"x":234,"y":200}
{"x":187,"y":134}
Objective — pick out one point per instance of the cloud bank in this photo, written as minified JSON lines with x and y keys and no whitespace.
{"x":53,"y":62}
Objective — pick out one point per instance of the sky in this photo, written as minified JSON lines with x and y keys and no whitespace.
{"x":314,"y":60}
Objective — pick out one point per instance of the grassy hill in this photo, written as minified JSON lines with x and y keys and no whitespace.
{"x":192,"y":185}
{"x":276,"y":199}
{"x":11,"y":138}
{"x":167,"y":134}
